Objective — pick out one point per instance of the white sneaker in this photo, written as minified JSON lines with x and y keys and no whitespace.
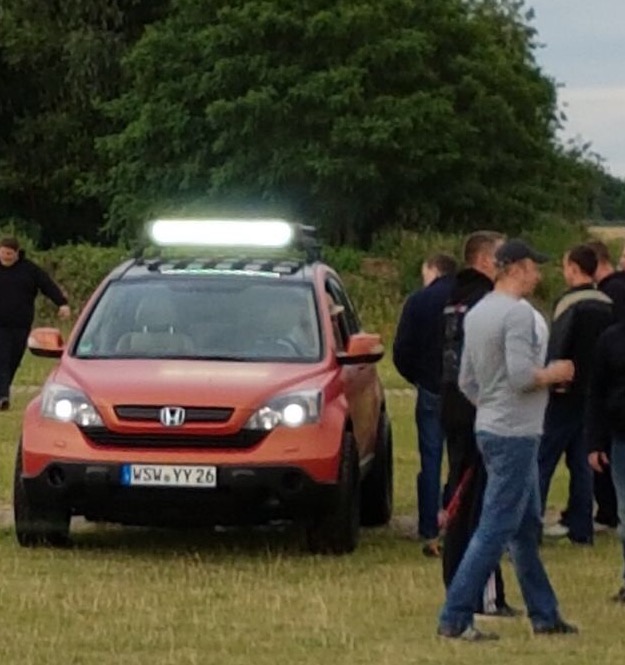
{"x":600,"y":528}
{"x":556,"y":530}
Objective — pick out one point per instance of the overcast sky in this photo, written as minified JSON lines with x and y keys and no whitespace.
{"x":584,"y":49}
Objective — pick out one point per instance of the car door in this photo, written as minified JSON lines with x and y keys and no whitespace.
{"x":362,"y":386}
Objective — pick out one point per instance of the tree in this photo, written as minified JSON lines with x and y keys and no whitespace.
{"x":351,"y":113}
{"x":59,"y":60}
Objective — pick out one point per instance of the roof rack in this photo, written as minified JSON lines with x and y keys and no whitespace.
{"x":243,"y":265}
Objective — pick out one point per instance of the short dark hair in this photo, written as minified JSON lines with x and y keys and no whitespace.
{"x":601,"y":251}
{"x":10,"y":243}
{"x":477,"y":242}
{"x":444,"y":263}
{"x":585,"y":258}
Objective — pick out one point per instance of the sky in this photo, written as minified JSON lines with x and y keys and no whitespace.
{"x":584,"y":50}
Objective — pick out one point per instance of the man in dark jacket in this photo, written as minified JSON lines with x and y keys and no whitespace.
{"x":605,"y":419}
{"x":20,"y":281}
{"x":580,"y":316}
{"x":417,"y":357}
{"x":467,"y":477}
{"x":608,"y":280}
{"x":612,"y":283}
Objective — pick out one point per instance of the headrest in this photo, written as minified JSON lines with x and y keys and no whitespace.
{"x":156,"y":312}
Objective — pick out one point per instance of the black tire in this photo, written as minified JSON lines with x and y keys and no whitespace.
{"x":338,"y":530}
{"x":377,"y":486}
{"x":37,"y":525}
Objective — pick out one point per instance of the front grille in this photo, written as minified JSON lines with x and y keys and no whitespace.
{"x":101,"y":436}
{"x":193,"y":414}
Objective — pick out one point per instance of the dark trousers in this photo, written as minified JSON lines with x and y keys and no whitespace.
{"x":430,"y":440}
{"x":564,"y":434}
{"x":605,"y":496}
{"x":463,"y":455}
{"x":12,"y":347}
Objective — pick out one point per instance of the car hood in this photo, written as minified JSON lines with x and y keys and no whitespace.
{"x":184,"y":382}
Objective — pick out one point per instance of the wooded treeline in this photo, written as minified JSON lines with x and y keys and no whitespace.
{"x":349,"y":114}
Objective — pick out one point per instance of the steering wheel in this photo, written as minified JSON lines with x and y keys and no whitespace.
{"x":283,"y":343}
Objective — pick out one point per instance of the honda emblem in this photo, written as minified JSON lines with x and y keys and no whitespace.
{"x":172,"y":416}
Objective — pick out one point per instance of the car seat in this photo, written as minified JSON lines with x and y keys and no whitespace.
{"x":156,"y":333}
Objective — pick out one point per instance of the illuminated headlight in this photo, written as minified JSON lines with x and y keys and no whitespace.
{"x":69,"y":405}
{"x":291,"y":410}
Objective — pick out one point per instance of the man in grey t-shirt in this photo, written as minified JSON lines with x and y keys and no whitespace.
{"x":503,"y":374}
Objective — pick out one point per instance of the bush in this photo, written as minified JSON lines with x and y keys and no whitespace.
{"x":378,"y":281}
{"x":78,"y":269}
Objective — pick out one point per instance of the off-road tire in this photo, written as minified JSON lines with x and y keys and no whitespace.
{"x":377,"y":487}
{"x":37,"y":524}
{"x":337,"y":531}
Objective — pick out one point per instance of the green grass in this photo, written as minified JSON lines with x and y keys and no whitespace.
{"x":143,"y":596}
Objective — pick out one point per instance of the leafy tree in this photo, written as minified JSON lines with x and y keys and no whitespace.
{"x":350,"y":112}
{"x":58,"y":60}
{"x":610,"y":198}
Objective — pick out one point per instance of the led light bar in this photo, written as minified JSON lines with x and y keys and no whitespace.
{"x":222,"y":232}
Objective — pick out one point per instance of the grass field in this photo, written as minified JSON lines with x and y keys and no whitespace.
{"x":608,"y":233}
{"x":140,"y":596}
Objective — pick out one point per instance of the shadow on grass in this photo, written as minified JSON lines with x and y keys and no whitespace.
{"x":206,"y":541}
{"x":208,"y":544}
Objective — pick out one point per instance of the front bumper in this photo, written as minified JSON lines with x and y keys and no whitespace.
{"x":244,"y":495}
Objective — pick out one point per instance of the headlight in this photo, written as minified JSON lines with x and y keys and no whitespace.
{"x":291,"y":410}
{"x":69,"y":405}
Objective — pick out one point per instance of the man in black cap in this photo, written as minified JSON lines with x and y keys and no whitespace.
{"x":467,"y":477}
{"x":580,"y":316}
{"x":503,"y":374}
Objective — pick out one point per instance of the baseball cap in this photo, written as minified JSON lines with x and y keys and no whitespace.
{"x":514,"y":250}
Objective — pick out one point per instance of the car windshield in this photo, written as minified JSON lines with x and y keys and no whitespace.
{"x":235,"y":317}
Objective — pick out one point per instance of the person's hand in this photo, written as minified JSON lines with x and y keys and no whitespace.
{"x":64,"y":312}
{"x":598,"y":461}
{"x":561,"y":371}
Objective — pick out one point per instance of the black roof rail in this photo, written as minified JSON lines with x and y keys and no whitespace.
{"x":306,"y":239}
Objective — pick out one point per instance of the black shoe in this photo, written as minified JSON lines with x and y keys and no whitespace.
{"x":619,"y":596}
{"x":560,"y":627}
{"x":5,"y":405}
{"x":469,"y":634}
{"x":502,"y":612}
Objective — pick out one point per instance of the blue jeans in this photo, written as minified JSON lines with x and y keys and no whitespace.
{"x":564,"y":433}
{"x":510,"y":518}
{"x":431,"y":441}
{"x":617,"y":468}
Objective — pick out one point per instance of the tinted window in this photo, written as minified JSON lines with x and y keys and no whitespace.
{"x":340,"y":296}
{"x":219,"y":317}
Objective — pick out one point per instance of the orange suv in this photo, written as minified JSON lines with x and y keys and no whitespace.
{"x":204,"y":391}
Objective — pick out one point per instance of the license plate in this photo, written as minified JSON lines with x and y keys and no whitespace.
{"x":168,"y":475}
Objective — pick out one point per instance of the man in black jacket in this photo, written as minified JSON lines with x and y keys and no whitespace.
{"x":467,"y":477}
{"x":417,"y":357}
{"x":612,"y":283}
{"x":608,"y":280}
{"x":580,"y":316}
{"x":605,"y":419}
{"x":20,"y":281}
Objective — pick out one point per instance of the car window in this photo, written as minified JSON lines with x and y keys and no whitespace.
{"x":340,"y":296}
{"x":220,"y":317}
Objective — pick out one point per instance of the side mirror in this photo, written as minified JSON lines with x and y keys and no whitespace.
{"x":46,"y":342}
{"x":361,"y":348}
